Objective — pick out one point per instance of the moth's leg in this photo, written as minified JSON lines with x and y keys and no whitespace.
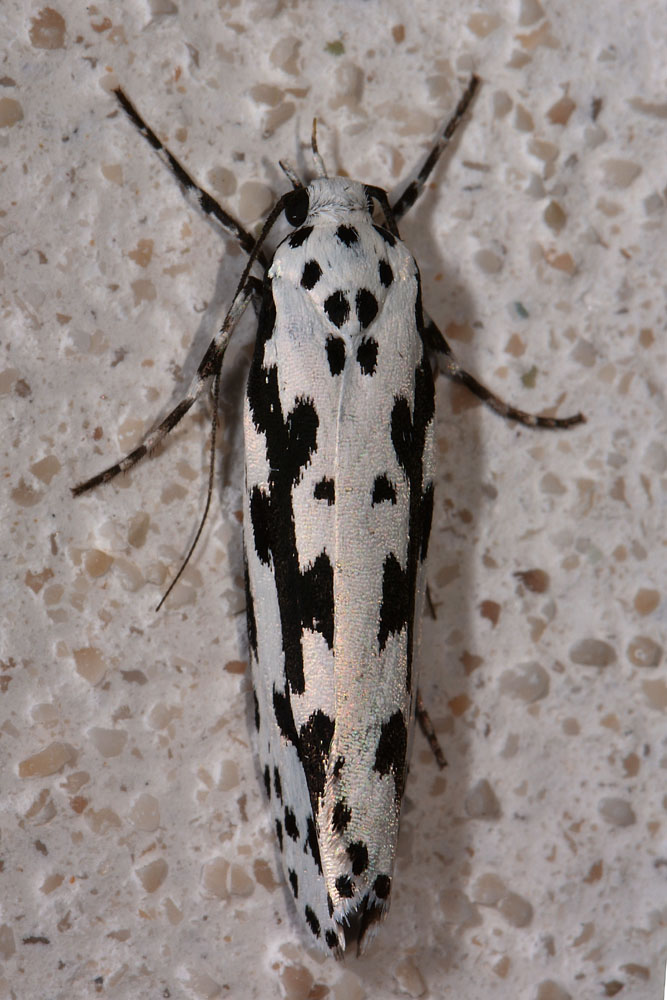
{"x":393,"y":213}
{"x":209,"y":367}
{"x":452,"y":369}
{"x":415,"y":187}
{"x":427,"y":729}
{"x":206,"y":202}
{"x":423,"y":717}
{"x":429,"y":603}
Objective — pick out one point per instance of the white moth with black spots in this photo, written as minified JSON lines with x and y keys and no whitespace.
{"x":339,"y":497}
{"x":339,"y":429}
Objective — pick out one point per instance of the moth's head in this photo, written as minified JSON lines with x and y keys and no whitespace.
{"x":327,"y":198}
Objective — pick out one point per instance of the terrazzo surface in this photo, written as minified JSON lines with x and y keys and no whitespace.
{"x":137,"y":857}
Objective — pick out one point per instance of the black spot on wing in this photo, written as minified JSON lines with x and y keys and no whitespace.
{"x":424,"y":396}
{"x":312,"y":273}
{"x":391,"y":750}
{"x":357,"y":852}
{"x":250,"y":609}
{"x":335,"y":347}
{"x":277,"y":784}
{"x":279,"y":833}
{"x":261,"y":520}
{"x":299,"y":237}
{"x":338,"y":766}
{"x":383,"y":489}
{"x":330,"y":906}
{"x":266,"y":321}
{"x":366,"y":306}
{"x":325,"y":490}
{"x":290,"y":442}
{"x":282,"y":709}
{"x":294,"y":882}
{"x":302,"y":424}
{"x":419,"y":312}
{"x":340,"y":816}
{"x":317,"y":598}
{"x":315,"y":742}
{"x":395,"y":606}
{"x":291,"y":828}
{"x":312,"y":844}
{"x":267,"y":781}
{"x":345,"y":886}
{"x":385,"y":273}
{"x":388,"y":237}
{"x":382,"y":886}
{"x":408,"y":434}
{"x":256,"y":707}
{"x":347,"y":235}
{"x":337,"y":308}
{"x":367,"y":355}
{"x":312,"y":921}
{"x":331,"y":939}
{"x":402,"y":431}
{"x":427,"y":518}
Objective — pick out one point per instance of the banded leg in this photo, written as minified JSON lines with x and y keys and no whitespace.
{"x":432,"y":335}
{"x":426,"y":726}
{"x":206,"y":202}
{"x":209,"y":367}
{"x":415,"y":187}
{"x":249,"y":287}
{"x":421,"y":712}
{"x":453,"y":370}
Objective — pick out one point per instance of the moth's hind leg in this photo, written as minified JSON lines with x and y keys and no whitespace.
{"x":427,"y":728}
{"x":209,"y":367}
{"x":435,"y":341}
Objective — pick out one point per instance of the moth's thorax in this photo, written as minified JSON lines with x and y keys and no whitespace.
{"x":351,"y":269}
{"x":336,"y":197}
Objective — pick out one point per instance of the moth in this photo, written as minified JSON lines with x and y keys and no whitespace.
{"x":339,"y":465}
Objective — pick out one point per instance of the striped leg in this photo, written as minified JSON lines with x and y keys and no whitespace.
{"x":432,"y":335}
{"x":415,"y":187}
{"x":452,"y":369}
{"x":250,"y":288}
{"x":426,"y":726}
{"x":206,"y":202}
{"x":209,"y":367}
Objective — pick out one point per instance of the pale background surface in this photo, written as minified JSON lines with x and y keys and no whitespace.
{"x":138,"y":859}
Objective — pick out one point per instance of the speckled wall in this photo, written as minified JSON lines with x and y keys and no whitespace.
{"x":137,"y":858}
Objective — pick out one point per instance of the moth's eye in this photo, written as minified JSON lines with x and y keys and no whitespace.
{"x":296,"y":206}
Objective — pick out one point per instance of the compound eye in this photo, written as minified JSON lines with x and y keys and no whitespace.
{"x":296,"y":206}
